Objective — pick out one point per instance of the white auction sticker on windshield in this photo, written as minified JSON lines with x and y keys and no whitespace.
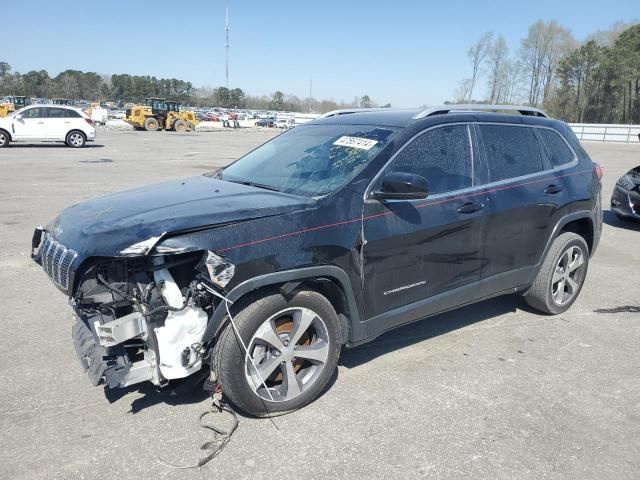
{"x":356,"y":142}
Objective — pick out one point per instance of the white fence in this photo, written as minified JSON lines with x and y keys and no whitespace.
{"x":607,"y":133}
{"x":297,"y":117}
{"x":584,"y":131}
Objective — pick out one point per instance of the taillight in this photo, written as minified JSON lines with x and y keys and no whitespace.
{"x":598,"y":170}
{"x":89,"y":121}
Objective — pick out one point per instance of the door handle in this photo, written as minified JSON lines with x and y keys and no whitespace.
{"x":40,"y":123}
{"x":553,"y":189}
{"x":471,"y":207}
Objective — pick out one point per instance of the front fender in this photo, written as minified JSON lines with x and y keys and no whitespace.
{"x":278,"y":278}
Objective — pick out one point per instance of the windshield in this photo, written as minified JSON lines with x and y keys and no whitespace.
{"x":310,"y":160}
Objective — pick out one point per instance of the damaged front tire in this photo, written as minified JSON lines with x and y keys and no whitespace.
{"x":292,"y":345}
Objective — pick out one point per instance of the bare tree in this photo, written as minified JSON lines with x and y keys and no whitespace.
{"x":462,"y":90}
{"x":510,"y":83}
{"x":477,"y":53}
{"x":541,"y":52}
{"x":496,"y":58}
{"x":559,"y":43}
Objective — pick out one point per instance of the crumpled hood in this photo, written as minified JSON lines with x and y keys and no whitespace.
{"x":106,"y":225}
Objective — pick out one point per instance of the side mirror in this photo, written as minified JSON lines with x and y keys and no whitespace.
{"x":19,"y":116}
{"x":402,"y":186}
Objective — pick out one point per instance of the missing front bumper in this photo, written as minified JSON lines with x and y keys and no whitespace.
{"x":109,"y":365}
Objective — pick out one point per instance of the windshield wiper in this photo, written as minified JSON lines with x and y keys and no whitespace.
{"x":255,"y":184}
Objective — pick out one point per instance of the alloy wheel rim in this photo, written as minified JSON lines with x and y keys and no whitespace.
{"x":76,"y":139}
{"x":2,"y":138}
{"x":567,"y":276}
{"x":290,"y":350}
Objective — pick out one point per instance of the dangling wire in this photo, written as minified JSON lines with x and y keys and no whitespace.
{"x":221,"y":438}
{"x":228,"y":302}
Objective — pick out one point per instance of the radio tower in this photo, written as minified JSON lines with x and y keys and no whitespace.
{"x":226,"y":44}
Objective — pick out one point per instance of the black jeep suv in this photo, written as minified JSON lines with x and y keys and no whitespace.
{"x":328,"y":235}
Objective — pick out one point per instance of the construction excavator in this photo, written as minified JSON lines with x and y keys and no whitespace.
{"x":160,"y":114}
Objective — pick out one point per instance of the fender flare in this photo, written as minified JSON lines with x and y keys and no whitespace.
{"x":331,"y":272}
{"x":558,"y":227}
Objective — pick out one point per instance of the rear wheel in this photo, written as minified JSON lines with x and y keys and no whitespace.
{"x":180,"y":126}
{"x":293,"y":346}
{"x":4,"y":139}
{"x":561,"y":276}
{"x":75,"y":139}
{"x":151,"y":124}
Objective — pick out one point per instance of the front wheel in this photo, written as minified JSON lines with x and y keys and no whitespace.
{"x":76,"y":139}
{"x":180,"y":126}
{"x":4,"y":138}
{"x":561,"y":275}
{"x":292,"y":351}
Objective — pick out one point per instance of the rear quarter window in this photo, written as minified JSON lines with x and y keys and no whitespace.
{"x":512,"y":151}
{"x":556,"y":148}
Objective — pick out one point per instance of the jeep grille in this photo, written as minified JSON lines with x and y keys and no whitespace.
{"x":56,"y":260}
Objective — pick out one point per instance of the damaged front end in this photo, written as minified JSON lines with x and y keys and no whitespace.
{"x":138,"y":317}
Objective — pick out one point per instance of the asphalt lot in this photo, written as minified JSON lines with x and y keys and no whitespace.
{"x":489,"y":391}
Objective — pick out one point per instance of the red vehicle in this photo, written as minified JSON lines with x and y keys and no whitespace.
{"x":211,"y":117}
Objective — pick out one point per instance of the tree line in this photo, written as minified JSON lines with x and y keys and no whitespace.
{"x":593,"y":81}
{"x":124,"y":88}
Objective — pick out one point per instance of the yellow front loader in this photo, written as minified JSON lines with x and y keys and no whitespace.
{"x":158,"y":114}
{"x":12,"y":104}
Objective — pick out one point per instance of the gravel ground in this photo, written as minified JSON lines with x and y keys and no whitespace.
{"x":488,"y":391}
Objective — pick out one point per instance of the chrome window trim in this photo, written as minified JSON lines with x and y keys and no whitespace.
{"x":367,"y":193}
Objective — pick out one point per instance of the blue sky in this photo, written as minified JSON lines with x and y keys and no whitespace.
{"x":406,"y":52}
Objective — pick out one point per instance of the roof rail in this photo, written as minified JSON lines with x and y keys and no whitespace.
{"x":480,"y":107}
{"x":346,"y":111}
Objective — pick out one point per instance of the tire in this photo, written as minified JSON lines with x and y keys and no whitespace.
{"x":275,"y":317}
{"x":180,"y":126}
{"x":4,"y":139}
{"x":561,"y":276}
{"x":76,"y":139}
{"x":151,"y":124}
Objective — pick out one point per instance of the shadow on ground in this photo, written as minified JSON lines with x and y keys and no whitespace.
{"x":51,"y":145}
{"x":187,"y":391}
{"x":613,"y":220}
{"x":432,"y":327}
{"x":190,"y":391}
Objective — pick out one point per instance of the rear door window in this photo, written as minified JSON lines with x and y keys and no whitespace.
{"x":512,"y":151}
{"x":57,"y":113}
{"x":442,"y":156}
{"x":556,"y":148}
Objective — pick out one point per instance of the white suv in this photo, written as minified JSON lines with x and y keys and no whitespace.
{"x":43,"y":122}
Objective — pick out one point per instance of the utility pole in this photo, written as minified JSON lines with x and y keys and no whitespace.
{"x":226,"y":44}
{"x":310,"y":92}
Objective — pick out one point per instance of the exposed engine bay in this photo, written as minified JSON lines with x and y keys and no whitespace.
{"x":143,"y":318}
